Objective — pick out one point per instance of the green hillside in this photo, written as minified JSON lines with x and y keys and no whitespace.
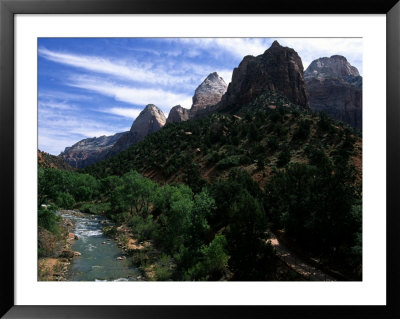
{"x":266,"y":135}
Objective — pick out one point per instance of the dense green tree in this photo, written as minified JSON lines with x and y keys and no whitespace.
{"x":176,"y":223}
{"x":50,"y":182}
{"x":302,"y":131}
{"x":304,"y":200}
{"x":284,"y":157}
{"x":135,"y":192}
{"x":48,"y":219}
{"x":64,"y":200}
{"x":108,"y":185}
{"x":250,"y":257}
{"x":213,"y":261}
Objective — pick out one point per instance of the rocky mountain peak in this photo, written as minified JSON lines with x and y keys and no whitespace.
{"x":151,"y":108}
{"x":278,"y":69}
{"x":336,"y":66}
{"x":214,"y":77}
{"x":335,"y":87}
{"x":178,"y":114}
{"x":208,"y":93}
{"x":151,"y":119}
{"x":275,"y":44}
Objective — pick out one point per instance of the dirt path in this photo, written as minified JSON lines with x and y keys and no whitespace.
{"x":296,"y":263}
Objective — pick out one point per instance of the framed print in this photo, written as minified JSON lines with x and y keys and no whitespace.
{"x":195,"y":160}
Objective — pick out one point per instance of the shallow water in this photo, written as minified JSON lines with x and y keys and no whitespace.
{"x":98,"y":260}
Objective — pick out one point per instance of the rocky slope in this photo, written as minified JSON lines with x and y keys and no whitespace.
{"x":177,"y":114}
{"x":335,"y":87}
{"x":279,"y":69}
{"x":208,"y":93}
{"x":150,"y":120}
{"x":89,"y":151}
{"x":47,"y":160}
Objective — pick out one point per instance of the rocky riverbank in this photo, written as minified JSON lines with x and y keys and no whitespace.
{"x":56,"y":251}
{"x":142,"y":253}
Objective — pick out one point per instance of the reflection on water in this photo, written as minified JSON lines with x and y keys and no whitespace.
{"x":98,"y":261}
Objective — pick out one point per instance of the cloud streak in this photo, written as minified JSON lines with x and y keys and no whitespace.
{"x":238,"y":47}
{"x":124,"y":112}
{"x":149,"y":73}
{"x":129,"y":94}
{"x":56,"y":105}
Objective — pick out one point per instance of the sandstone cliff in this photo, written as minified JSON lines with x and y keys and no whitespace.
{"x":208,"y":93}
{"x":150,"y":120}
{"x":177,"y":114}
{"x":279,"y":69}
{"x":335,"y":87}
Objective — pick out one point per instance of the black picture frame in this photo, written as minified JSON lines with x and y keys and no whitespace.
{"x":8,"y":8}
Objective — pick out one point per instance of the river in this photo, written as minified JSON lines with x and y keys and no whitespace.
{"x":98,"y":260}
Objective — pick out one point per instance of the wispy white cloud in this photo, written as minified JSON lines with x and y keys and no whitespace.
{"x":97,"y":64}
{"x":129,"y":94}
{"x":173,"y":53}
{"x":130,"y":113}
{"x":55,"y":105}
{"x":150,"y":73}
{"x":173,"y":74}
{"x":63,"y":96}
{"x":238,"y":47}
{"x":151,"y":51}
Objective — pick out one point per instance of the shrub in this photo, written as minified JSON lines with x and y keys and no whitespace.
{"x":110,"y":231}
{"x":143,"y":228}
{"x":284,"y":157}
{"x":215,"y":256}
{"x":245,"y":160}
{"x":46,"y":243}
{"x":253,"y":133}
{"x":95,"y":208}
{"x":84,"y":193}
{"x":64,"y":200}
{"x":48,"y":219}
{"x":273,"y":143}
{"x":324,"y":122}
{"x":163,"y":269}
{"x":317,"y":157}
{"x":228,"y":162}
{"x":275,"y":116}
{"x":260,"y":162}
{"x":119,"y":217}
{"x":303,"y":130}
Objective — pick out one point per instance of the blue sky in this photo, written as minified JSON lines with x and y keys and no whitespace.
{"x":92,"y":87}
